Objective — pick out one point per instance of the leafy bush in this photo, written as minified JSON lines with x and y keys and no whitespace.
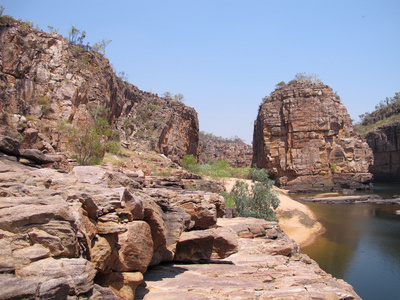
{"x":257,"y":202}
{"x":189,"y":163}
{"x":86,"y":144}
{"x":90,"y":142}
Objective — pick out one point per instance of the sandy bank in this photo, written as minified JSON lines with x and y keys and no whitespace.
{"x":295,"y":218}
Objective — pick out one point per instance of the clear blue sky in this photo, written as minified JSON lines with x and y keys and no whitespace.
{"x":224,"y":56}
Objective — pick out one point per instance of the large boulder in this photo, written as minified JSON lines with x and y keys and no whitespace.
{"x":37,"y":156}
{"x":135,"y":256}
{"x":197,"y":245}
{"x":77,"y":273}
{"x":304,"y":136}
{"x":9,"y":145}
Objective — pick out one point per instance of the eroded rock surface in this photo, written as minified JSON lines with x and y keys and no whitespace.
{"x":94,"y":232}
{"x":304,"y":136}
{"x":268,"y":265}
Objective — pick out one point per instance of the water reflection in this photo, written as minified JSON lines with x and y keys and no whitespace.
{"x":361,"y":245}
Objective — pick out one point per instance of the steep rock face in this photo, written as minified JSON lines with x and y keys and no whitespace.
{"x":237,"y":153}
{"x":385,"y":144}
{"x":45,"y":80}
{"x":304,"y":136}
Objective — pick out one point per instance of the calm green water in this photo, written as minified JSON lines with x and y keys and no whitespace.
{"x":361,"y":245}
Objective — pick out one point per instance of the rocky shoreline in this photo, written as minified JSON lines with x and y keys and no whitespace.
{"x":98,"y":232}
{"x":268,"y":265}
{"x":362,"y":199}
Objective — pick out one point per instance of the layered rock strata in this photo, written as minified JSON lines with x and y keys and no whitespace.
{"x":385,"y":144}
{"x":268,"y":265}
{"x":44,"y":80}
{"x":93,"y":233}
{"x":237,"y":153}
{"x":304,"y":136}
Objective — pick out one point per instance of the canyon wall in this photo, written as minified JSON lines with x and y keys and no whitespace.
{"x":304,"y":136}
{"x":385,"y":144}
{"x":45,"y":80}
{"x":237,"y":153}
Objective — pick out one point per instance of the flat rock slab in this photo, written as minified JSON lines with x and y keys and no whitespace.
{"x":260,"y":270}
{"x":370,"y":199}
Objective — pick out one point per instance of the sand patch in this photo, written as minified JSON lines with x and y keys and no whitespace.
{"x":295,"y":218}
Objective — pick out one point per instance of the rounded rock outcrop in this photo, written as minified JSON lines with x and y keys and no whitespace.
{"x":304,"y":136}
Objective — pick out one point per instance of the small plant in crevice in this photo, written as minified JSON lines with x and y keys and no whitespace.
{"x":332,"y":167}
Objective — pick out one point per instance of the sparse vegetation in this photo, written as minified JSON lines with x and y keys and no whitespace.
{"x":332,"y":167}
{"x":101,"y":46}
{"x":53,"y":29}
{"x":44,"y":102}
{"x":178,"y":96}
{"x":76,"y":36}
{"x":234,"y":139}
{"x":123,"y":76}
{"x":307,"y":77}
{"x":90,"y":142}
{"x":215,"y":170}
{"x":386,"y":112}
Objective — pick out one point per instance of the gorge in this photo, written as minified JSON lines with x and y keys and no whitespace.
{"x":67,"y":230}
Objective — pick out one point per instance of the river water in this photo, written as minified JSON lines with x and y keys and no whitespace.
{"x":361,"y":245}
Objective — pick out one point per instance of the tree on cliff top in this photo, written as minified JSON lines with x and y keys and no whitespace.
{"x":257,"y":202}
{"x":303,"y":76}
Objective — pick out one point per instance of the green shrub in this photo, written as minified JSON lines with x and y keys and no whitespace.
{"x":113,"y":146}
{"x":257,"y":202}
{"x":332,"y":166}
{"x":189,"y":163}
{"x":218,"y":169}
{"x":86,"y":145}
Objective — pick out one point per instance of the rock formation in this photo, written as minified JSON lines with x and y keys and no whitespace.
{"x":385,"y":144}
{"x":237,"y":153}
{"x":267,"y":266}
{"x":94,"y":232}
{"x":304,"y":136}
{"x":45,"y":80}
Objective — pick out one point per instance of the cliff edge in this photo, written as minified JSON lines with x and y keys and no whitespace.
{"x":45,"y":80}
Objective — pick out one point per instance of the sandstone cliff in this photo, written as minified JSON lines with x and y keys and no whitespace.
{"x":45,"y":80}
{"x":385,"y":144}
{"x":237,"y":153}
{"x":304,"y":136}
